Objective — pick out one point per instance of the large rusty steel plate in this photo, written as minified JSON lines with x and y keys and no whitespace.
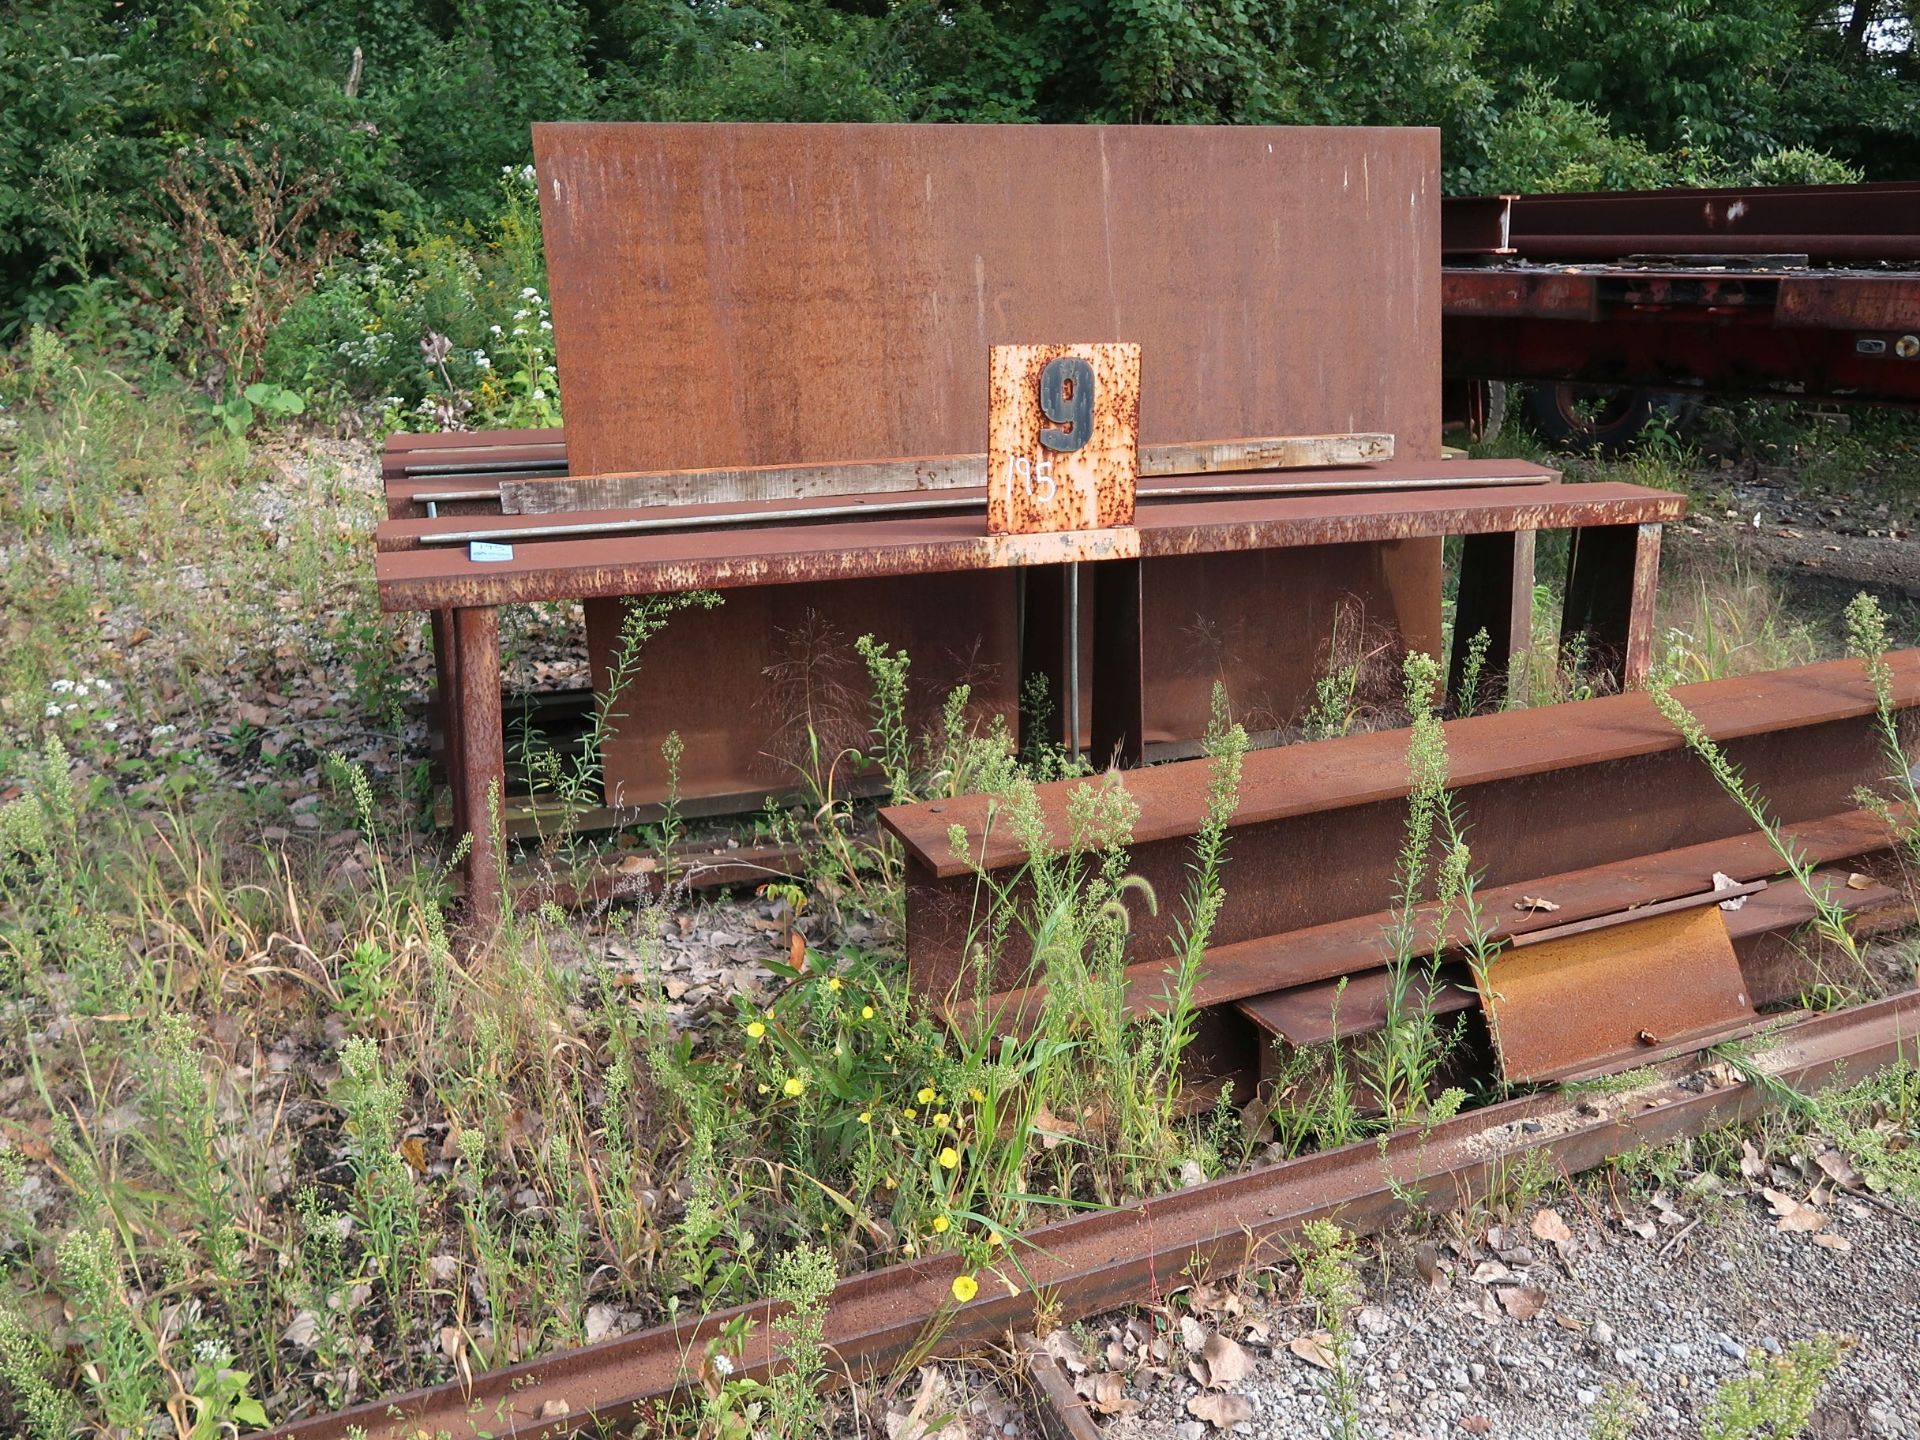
{"x":733,"y":295}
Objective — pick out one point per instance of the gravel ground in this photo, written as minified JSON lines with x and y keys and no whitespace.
{"x":1441,"y":1349}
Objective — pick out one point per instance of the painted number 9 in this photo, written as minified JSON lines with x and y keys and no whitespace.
{"x":1066,"y":398}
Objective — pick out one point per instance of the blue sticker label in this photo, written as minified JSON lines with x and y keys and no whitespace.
{"x":486,"y":550}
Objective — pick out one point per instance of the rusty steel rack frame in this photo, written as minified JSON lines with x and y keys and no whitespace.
{"x":1610,"y":586}
{"x":1140,"y":1253}
{"x":1809,"y":291}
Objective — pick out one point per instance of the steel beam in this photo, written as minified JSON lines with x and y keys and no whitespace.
{"x":1319,"y":826}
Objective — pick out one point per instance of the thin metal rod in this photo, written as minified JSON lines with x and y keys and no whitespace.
{"x":1073,"y":658}
{"x":443,"y":497}
{"x":491,"y":467}
{"x":640,"y":524}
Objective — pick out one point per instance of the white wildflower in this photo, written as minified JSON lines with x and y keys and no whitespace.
{"x":53,"y":708}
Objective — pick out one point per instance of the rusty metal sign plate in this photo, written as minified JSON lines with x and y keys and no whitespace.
{"x":1063,"y":437}
{"x":1602,"y":998}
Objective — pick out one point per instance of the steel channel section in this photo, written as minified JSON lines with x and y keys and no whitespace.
{"x":1139,"y":1254}
{"x":1320,"y":825}
{"x":797,"y":294}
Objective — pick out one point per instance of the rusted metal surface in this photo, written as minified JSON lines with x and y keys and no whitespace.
{"x":1585,"y":997}
{"x":1095,"y":1263}
{"x":1546,"y":792}
{"x":478,"y":764}
{"x":768,"y":687}
{"x":895,"y":478}
{"x":1258,"y":975}
{"x":1062,"y":1414}
{"x":1063,"y":437}
{"x":591,"y":567}
{"x":1878,"y":222}
{"x":1476,"y":225}
{"x":1495,"y":595}
{"x":796,"y":294}
{"x":783,"y":294}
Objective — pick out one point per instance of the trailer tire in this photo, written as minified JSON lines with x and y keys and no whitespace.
{"x":1603,"y":419}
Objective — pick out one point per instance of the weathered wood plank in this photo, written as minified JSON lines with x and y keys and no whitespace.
{"x":546,"y":496}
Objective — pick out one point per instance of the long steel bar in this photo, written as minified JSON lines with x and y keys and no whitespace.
{"x":1824,"y":222}
{"x":1088,"y":1265}
{"x":945,"y":504}
{"x":929,"y":472}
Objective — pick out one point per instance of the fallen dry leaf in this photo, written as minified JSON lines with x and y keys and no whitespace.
{"x":1475,"y":1424}
{"x":1220,"y":1362}
{"x":1316,"y":1349}
{"x":1051,"y":1129}
{"x":1107,"y":1393}
{"x":413,"y":1150}
{"x":1522,"y":1302}
{"x":1548,"y":1225}
{"x":1827,"y":1240}
{"x":1838,"y":1168}
{"x":1791,"y":1215}
{"x":1857,"y":881}
{"x":1426,"y":1260}
{"x":1535,"y":905}
{"x":1220,"y":1410}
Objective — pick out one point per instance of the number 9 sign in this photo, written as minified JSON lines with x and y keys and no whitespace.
{"x":1063,"y":437}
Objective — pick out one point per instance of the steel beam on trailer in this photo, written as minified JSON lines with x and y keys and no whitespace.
{"x":1319,"y":825}
{"x":1138,"y":1254}
{"x":1878,"y":222}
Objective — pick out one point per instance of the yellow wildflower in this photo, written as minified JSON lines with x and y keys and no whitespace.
{"x":763,"y":1087}
{"x":941,"y":1224}
{"x":834,"y":983}
{"x":925,"y":1097}
{"x":949,"y":1157}
{"x":977,"y":1095}
{"x":965,"y":1287}
{"x":756,"y":1030}
{"x":866,"y":1117}
{"x":794,"y":1085}
{"x":909,"y":1113}
{"x":866,"y":1012}
{"x":941,"y":1121}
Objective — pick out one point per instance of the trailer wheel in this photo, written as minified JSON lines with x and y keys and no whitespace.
{"x":1602,"y":418}
{"x":1490,"y":410}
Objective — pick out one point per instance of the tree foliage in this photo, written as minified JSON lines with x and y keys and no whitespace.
{"x":411,"y":111}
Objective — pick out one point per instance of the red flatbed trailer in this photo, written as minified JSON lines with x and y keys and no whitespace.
{"x":1809,"y":292}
